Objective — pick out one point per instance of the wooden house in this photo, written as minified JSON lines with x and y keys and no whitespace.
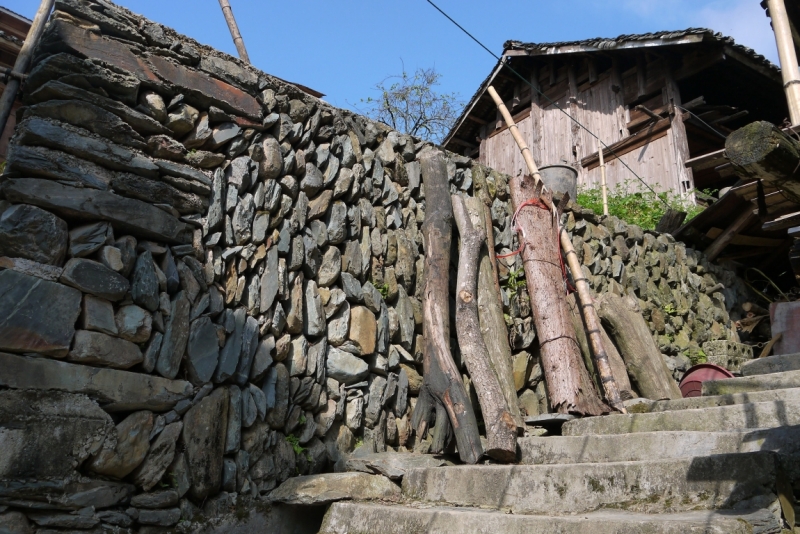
{"x":661,"y":102}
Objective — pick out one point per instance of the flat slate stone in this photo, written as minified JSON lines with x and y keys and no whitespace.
{"x":48,"y":433}
{"x":204,"y":437}
{"x":175,"y":338}
{"x":133,"y":442}
{"x":94,"y":348}
{"x":95,"y":278}
{"x":117,"y":391}
{"x":332,"y":487}
{"x":125,"y":214}
{"x":55,"y":90}
{"x":392,"y":465}
{"x":32,"y":233}
{"x":203,"y":350}
{"x":75,"y":141}
{"x":39,"y":316}
{"x":50,"y":273}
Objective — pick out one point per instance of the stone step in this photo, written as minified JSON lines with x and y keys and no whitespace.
{"x":772,"y":364}
{"x":349,"y":517}
{"x":673,"y":485}
{"x":645,"y":446}
{"x":751,"y":416}
{"x":748,"y":384}
{"x":694,"y":403}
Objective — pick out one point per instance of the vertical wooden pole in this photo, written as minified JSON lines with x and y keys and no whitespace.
{"x":23,"y":61}
{"x":603,"y":178}
{"x":234,"y":28}
{"x":584,"y":291}
{"x":788,"y":57}
{"x":679,"y":141}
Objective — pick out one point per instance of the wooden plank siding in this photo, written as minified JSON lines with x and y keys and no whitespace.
{"x":604,"y":108}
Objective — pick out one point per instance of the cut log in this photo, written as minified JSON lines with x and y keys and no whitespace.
{"x":616,"y":362}
{"x":490,"y":313}
{"x":761,"y":151}
{"x":501,"y":429}
{"x":570,"y":389}
{"x":670,"y":221}
{"x":630,"y":333}
{"x":442,"y":387}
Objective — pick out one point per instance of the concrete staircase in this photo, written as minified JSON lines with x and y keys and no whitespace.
{"x":703,"y":465}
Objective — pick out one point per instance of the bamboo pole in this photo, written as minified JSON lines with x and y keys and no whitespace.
{"x":788,"y":57}
{"x":603,"y":179}
{"x":234,"y":28}
{"x":23,"y":61}
{"x":584,"y":291}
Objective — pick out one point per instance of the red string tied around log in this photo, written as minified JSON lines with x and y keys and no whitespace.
{"x":516,"y":229}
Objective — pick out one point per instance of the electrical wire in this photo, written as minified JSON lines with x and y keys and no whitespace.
{"x":704,"y":122}
{"x":552,"y":102}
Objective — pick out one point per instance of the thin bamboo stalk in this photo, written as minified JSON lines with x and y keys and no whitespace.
{"x":603,"y":179}
{"x":584,"y":291}
{"x":23,"y":61}
{"x":234,"y":28}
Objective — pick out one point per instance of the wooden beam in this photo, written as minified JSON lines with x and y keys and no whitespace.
{"x":630,"y":143}
{"x":476,"y":119}
{"x":784,"y":221}
{"x":707,"y":161}
{"x":641,"y":75}
{"x":746,"y":240}
{"x":592,"y":66}
{"x":742,"y":221}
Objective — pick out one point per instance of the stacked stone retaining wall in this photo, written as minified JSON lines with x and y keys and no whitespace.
{"x":211,"y":281}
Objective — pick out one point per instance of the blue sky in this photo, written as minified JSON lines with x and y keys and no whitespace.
{"x":343,"y":48}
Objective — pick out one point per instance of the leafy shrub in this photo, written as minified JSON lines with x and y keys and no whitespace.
{"x":637,"y":205}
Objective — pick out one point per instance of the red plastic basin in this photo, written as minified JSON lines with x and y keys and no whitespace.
{"x":692,"y":383}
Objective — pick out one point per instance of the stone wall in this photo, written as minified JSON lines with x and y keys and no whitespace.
{"x":211,"y":281}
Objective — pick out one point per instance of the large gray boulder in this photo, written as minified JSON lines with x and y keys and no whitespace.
{"x":44,"y":314}
{"x":32,"y":233}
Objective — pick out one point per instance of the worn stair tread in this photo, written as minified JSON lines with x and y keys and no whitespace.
{"x":349,"y":518}
{"x":643,"y":446}
{"x":748,"y":384}
{"x":771,"y":364}
{"x":694,"y":403}
{"x":756,"y":415}
{"x":671,"y":485}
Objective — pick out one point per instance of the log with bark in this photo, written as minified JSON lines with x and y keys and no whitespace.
{"x":761,"y":151}
{"x":630,"y":332}
{"x":569,"y":386}
{"x":616,"y":362}
{"x":442,"y":388}
{"x":501,"y":429}
{"x":490,"y":313}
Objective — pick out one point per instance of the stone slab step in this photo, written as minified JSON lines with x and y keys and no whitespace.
{"x":771,"y":364}
{"x":694,"y":403}
{"x":349,"y":518}
{"x":752,"y":416}
{"x":645,"y":446}
{"x":748,"y":384}
{"x":674,"y":485}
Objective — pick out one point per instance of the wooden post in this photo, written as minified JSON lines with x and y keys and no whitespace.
{"x":788,"y":57}
{"x":234,"y":28}
{"x":23,"y":61}
{"x":742,"y":221}
{"x":642,"y":358}
{"x":442,"y":387}
{"x":569,"y":386}
{"x":584,"y":291}
{"x":501,"y":429}
{"x":490,"y":313}
{"x":603,"y":178}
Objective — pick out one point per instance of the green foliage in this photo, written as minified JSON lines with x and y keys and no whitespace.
{"x":696,"y":356}
{"x":670,"y":309}
{"x":411,"y":104}
{"x":302,"y":419}
{"x":294,"y":441}
{"x":635,"y":204}
{"x":384,"y":291}
{"x":514,"y":282}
